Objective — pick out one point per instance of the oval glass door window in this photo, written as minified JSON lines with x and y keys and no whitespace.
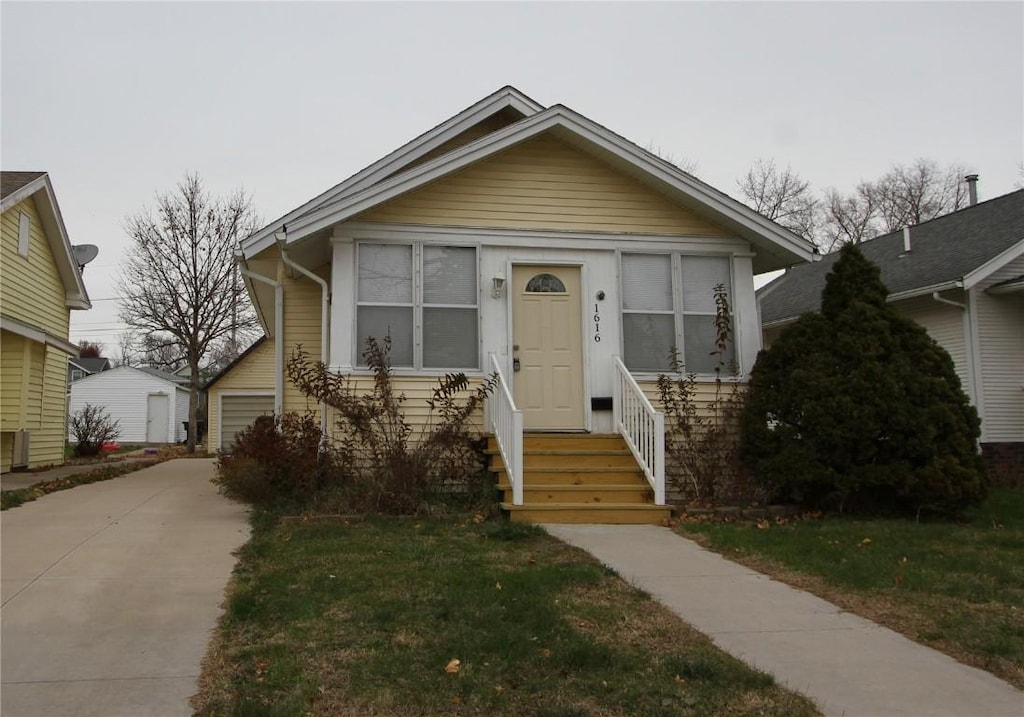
{"x":545,"y":284}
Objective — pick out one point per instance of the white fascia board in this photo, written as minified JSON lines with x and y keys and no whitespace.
{"x":33,"y":333}
{"x":924,"y":291}
{"x":400,"y":158}
{"x":75,"y":295}
{"x":561,"y":117}
{"x":23,"y":193}
{"x":543,"y":239}
{"x":1011,"y":287}
{"x":994,"y":264}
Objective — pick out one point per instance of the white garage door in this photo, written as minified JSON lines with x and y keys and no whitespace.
{"x":237,"y":412}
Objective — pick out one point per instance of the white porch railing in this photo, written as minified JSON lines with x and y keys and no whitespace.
{"x":506,"y":422}
{"x":641,"y":426}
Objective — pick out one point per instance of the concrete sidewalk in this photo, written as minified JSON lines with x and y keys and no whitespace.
{"x":27,"y":479}
{"x":110,"y":591}
{"x":850,"y":666}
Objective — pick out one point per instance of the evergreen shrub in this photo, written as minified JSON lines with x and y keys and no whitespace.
{"x":857,"y":408}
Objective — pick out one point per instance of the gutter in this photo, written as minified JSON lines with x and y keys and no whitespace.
{"x":278,"y":333}
{"x":325,"y":313}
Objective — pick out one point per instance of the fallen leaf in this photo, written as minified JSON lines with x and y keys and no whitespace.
{"x":499,"y":689}
{"x":497,"y":586}
{"x":545,"y":652}
{"x":453,"y":666}
{"x":866,"y":541}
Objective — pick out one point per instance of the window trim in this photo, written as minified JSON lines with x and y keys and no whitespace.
{"x":418,"y":305}
{"x":679,"y":311}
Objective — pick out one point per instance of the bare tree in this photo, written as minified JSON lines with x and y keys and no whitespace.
{"x":847,"y":219}
{"x":178,"y":278}
{"x":908,"y":195}
{"x":90,"y":349}
{"x":687,"y":164}
{"x":782,"y":196}
{"x":125,"y":348}
{"x":163,"y":351}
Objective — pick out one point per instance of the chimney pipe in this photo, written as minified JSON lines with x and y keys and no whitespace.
{"x":906,"y":239}
{"x":972,"y":189}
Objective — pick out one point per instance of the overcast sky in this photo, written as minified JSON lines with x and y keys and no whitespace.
{"x":117,"y":101}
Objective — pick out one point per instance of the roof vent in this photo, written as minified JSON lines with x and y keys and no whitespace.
{"x":906,"y":240}
{"x":972,"y":189}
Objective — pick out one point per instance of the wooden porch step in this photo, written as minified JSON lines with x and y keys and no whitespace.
{"x":569,"y":476}
{"x":580,"y":494}
{"x":605,"y":514}
{"x":565,"y":442}
{"x":566,"y":460}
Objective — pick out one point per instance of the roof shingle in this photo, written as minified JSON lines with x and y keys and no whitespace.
{"x":942,"y":250}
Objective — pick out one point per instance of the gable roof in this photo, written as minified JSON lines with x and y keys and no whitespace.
{"x":166,"y":376}
{"x":956,"y":250}
{"x":90,"y":364}
{"x":16,"y":187}
{"x":507,"y":98}
{"x":238,"y":359}
{"x":777,"y":247}
{"x":117,"y":370}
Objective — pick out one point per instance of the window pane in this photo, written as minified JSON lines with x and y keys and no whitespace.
{"x":699,"y":340}
{"x":385,"y":273}
{"x":449,"y":275}
{"x":700,"y":276}
{"x":647,"y":282}
{"x":647,"y":341}
{"x":450,"y":338}
{"x":382,"y":321}
{"x":545,"y":284}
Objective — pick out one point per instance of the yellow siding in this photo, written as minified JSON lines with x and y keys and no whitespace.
{"x":417,"y":390}
{"x":31,"y":290}
{"x":480,"y":129}
{"x":6,"y":450}
{"x":11,"y":357}
{"x":253,"y":373}
{"x":543,"y":184}
{"x":33,"y":398}
{"x":303,"y":302}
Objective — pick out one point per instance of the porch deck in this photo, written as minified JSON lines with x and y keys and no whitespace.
{"x":578,"y":478}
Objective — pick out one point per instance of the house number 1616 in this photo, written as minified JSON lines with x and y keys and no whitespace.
{"x":597,"y":325}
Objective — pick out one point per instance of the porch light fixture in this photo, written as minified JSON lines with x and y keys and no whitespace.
{"x":497,"y":282}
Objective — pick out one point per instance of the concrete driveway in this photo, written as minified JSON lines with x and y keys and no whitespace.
{"x":110,"y":591}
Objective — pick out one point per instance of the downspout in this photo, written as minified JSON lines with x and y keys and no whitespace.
{"x":941,"y":300}
{"x":278,"y":336}
{"x":325,"y":314}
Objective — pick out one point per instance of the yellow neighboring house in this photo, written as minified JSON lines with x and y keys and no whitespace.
{"x":40,"y":282}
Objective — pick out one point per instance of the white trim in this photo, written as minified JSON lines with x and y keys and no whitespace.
{"x":1009,"y":287}
{"x":560,"y":117}
{"x":215,"y":445}
{"x":75,"y":295}
{"x":24,"y":233}
{"x":992,"y":265}
{"x":975,"y":375}
{"x":38,"y":335}
{"x":542,"y":239}
{"x":506,"y":97}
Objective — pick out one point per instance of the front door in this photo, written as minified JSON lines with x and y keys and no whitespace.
{"x":547,"y":346}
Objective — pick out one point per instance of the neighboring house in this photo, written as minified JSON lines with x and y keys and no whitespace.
{"x":961,"y":276}
{"x":150,"y":405}
{"x":510,"y":237}
{"x":244,"y":390}
{"x":40,"y":283}
{"x":82,"y":367}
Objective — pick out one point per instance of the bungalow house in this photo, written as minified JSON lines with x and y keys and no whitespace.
{"x":961,"y":276}
{"x":40,"y":284}
{"x":527,"y":241}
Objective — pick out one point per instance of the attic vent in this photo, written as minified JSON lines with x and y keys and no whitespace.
{"x":24,"y":223}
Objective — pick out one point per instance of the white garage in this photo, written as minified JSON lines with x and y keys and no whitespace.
{"x":151,"y":406}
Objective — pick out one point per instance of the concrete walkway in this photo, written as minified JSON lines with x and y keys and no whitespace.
{"x":850,"y":666}
{"x":27,"y":479}
{"x":110,"y":591}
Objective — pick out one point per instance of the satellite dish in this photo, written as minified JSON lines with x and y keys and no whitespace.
{"x":84,"y":253}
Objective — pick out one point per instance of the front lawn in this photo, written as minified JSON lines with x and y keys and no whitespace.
{"x":456,"y":616}
{"x":956,"y":587}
